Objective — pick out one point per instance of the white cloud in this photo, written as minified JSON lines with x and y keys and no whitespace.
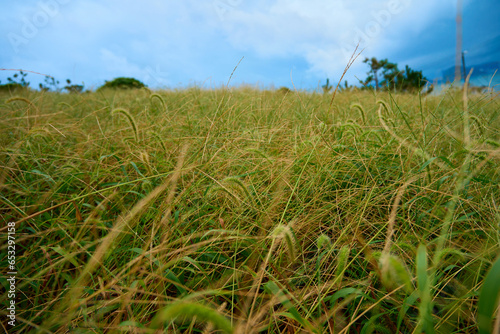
{"x":324,"y":32}
{"x":115,"y":63}
{"x":194,"y":40}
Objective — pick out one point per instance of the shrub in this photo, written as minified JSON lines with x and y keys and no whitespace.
{"x":10,"y":87}
{"x":73,"y":88}
{"x":327,"y":88}
{"x":123,"y":83}
{"x":15,"y":83}
{"x":49,"y":83}
{"x":284,"y":90}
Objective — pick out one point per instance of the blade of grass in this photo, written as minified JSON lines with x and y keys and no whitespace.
{"x":488,"y":299}
{"x":183,"y":311}
{"x":425,"y":323}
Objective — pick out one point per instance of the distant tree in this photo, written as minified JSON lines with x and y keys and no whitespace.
{"x":406,"y":80}
{"x":346,"y":87}
{"x":19,"y":78}
{"x":411,"y":80}
{"x":390,"y":73}
{"x":49,"y":83}
{"x":17,"y":82}
{"x":284,"y":90}
{"x":375,"y":66}
{"x":327,"y":87}
{"x":73,"y":88}
{"x":123,"y":83}
{"x":10,"y":87}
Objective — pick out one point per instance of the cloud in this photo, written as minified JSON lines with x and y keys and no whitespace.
{"x":119,"y":66}
{"x":325,"y":33}
{"x":185,"y":41}
{"x":114,"y":63}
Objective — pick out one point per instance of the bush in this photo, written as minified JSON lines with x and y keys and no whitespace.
{"x":15,"y":83}
{"x":73,"y":88}
{"x":11,"y":87}
{"x":123,"y":83}
{"x":284,"y":90}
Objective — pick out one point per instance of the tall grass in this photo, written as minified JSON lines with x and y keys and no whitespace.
{"x":250,"y":211}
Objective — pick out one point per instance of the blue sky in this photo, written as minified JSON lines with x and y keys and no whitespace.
{"x":173,"y":44}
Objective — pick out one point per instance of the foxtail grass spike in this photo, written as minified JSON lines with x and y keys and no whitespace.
{"x":130,"y":119}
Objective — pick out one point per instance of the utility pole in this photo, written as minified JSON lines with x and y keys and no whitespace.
{"x":463,"y":63}
{"x":459,"y":41}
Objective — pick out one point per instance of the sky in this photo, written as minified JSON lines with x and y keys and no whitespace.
{"x":295,"y":43}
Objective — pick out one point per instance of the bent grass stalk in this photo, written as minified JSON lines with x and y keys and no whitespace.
{"x":130,"y":119}
{"x":361,"y":110}
{"x":159,"y":98}
{"x":30,"y":104}
{"x":279,"y":233}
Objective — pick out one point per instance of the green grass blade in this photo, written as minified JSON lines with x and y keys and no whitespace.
{"x":407,"y":303}
{"x":425,"y":322}
{"x":183,"y":311}
{"x":293,"y":312}
{"x":488,"y":298}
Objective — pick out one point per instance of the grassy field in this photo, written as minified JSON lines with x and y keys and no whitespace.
{"x":245,"y":211}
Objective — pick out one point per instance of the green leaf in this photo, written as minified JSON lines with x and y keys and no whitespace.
{"x":183,"y":310}
{"x":88,"y":290}
{"x":131,"y":323}
{"x":425,"y":317}
{"x":138,"y":283}
{"x":179,"y":285}
{"x":427,"y":163}
{"x":343,"y":293}
{"x":47,"y":177}
{"x":409,"y":301}
{"x":488,"y":298}
{"x":394,"y":273}
{"x":136,"y":168}
{"x":141,"y":251}
{"x":293,"y":313}
{"x":67,"y":257}
{"x":368,"y":327}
